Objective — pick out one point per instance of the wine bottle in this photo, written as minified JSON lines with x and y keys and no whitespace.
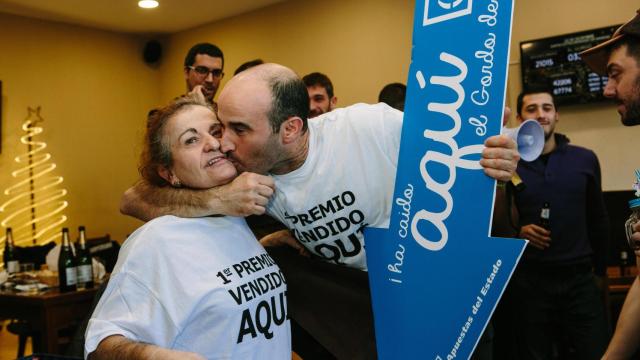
{"x":84,"y":262}
{"x":67,"y":272}
{"x":11,"y":263}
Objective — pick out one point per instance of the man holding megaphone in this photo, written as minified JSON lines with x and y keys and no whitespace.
{"x":562,"y":214}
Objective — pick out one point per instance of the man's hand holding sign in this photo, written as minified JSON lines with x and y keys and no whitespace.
{"x":435,"y":274}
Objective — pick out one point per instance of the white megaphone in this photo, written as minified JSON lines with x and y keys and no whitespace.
{"x":530,"y":139}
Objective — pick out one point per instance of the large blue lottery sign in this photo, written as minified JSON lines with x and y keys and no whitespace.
{"x":436,"y":274}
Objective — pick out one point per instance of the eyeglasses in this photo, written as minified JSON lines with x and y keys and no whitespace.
{"x":204,"y":71}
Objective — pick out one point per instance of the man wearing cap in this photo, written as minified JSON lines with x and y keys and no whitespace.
{"x":619,"y":58}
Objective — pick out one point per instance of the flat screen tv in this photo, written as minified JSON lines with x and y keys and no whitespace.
{"x":554,"y":63}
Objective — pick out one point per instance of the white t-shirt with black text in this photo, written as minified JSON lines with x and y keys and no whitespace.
{"x":345,"y":183}
{"x":202,"y":285}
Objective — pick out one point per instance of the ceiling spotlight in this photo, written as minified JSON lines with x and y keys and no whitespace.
{"x":148,"y":4}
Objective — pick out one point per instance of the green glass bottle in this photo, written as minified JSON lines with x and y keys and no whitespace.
{"x":84,"y":262}
{"x":67,"y":272}
{"x":10,"y":258}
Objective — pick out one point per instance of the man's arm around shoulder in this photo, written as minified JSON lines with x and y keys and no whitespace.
{"x":248,"y":194}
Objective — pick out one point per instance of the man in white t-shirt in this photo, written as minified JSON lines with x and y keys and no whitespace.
{"x":345,"y":183}
{"x":334,"y":176}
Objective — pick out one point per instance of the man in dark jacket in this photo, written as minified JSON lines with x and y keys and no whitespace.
{"x":558,"y":305}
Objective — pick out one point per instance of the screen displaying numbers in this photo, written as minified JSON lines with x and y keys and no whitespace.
{"x":554,"y":63}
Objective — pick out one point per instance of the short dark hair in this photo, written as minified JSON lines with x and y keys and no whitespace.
{"x":633,"y":47}
{"x":534,"y":90}
{"x":393,"y":95}
{"x":315,"y":79}
{"x":289,"y":98}
{"x":247,"y":65}
{"x":203,"y":48}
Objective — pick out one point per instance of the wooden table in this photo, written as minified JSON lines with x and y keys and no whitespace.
{"x":618,"y":289}
{"x":47,"y":313}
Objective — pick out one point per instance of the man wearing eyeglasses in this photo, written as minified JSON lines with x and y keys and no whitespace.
{"x":203,"y":70}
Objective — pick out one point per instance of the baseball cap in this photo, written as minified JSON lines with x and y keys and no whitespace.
{"x":598,"y":56}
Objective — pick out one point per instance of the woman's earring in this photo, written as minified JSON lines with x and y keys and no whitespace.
{"x":176,"y":184}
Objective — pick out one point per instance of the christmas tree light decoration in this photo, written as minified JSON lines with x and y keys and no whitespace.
{"x":34,"y":209}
